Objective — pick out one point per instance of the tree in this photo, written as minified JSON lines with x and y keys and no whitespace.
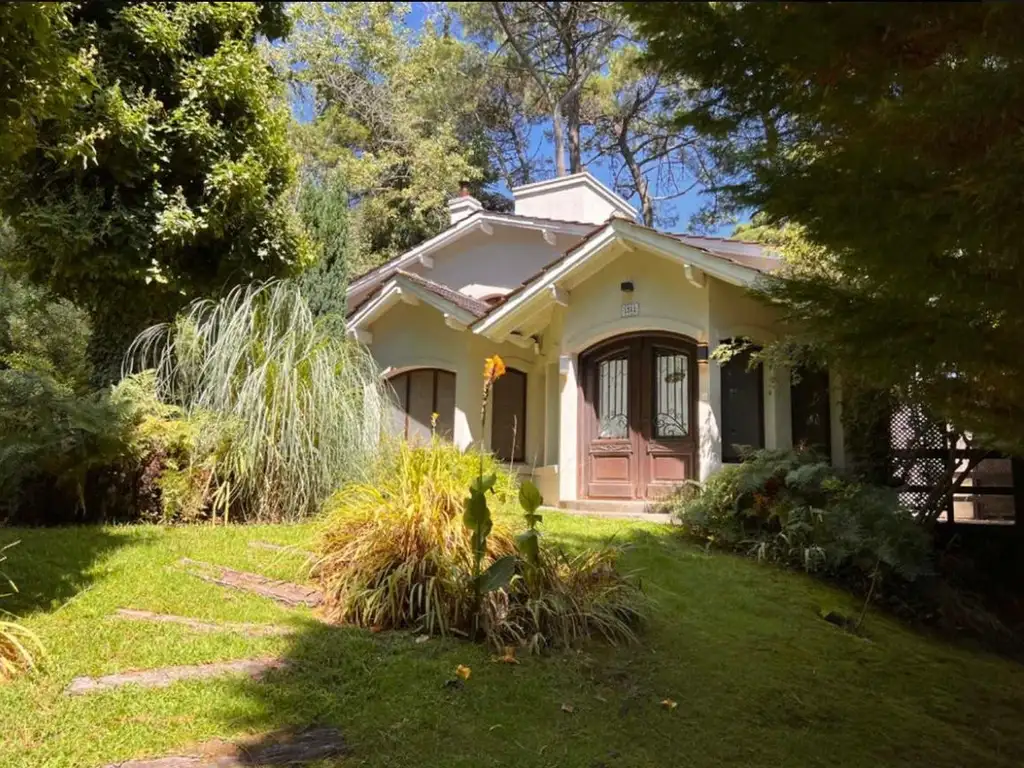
{"x":323,"y":206}
{"x":394,"y":116}
{"x":167,"y":178}
{"x":890,"y":134}
{"x":630,"y":106}
{"x":577,"y":69}
{"x":557,"y":47}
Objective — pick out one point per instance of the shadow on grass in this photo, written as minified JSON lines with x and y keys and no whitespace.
{"x":49,"y":566}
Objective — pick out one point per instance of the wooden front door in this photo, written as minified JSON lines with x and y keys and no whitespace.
{"x":638,"y":416}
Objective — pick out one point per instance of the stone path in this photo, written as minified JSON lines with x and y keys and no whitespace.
{"x":284,"y":592}
{"x":283,"y":748}
{"x":165,"y":676}
{"x":249,"y":630}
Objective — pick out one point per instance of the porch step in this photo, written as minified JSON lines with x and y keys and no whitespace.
{"x":622,"y":510}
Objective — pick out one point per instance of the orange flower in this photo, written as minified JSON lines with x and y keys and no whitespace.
{"x":494,"y":369}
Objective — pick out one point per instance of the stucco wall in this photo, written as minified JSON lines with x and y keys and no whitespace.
{"x":667,"y":302}
{"x":571,"y":203}
{"x":482,"y":265}
{"x":409,"y":336}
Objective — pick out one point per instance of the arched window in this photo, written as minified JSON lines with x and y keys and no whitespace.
{"x":508,"y":416}
{"x":416,"y":396}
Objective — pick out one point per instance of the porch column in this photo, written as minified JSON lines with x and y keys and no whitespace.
{"x":467,"y":407}
{"x":568,"y":370}
{"x":709,"y":413}
{"x":778,"y":420}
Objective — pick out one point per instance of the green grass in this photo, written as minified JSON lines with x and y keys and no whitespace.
{"x":760,"y":680}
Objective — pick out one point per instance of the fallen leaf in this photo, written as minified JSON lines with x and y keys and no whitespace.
{"x":376,"y":628}
{"x":668,"y":704}
{"x":509,"y":656}
{"x":422,"y":638}
{"x":568,"y":708}
{"x":463,"y":671}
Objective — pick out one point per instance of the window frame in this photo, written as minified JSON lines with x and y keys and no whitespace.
{"x":520,"y":454}
{"x":729,"y":455}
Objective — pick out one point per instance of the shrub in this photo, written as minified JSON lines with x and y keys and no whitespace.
{"x":793,"y":508}
{"x":304,"y":407}
{"x":18,"y":646}
{"x":395,"y":553}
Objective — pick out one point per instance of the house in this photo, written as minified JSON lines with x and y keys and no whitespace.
{"x":606,"y":328}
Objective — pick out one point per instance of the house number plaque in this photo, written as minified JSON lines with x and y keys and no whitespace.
{"x":632,"y":309}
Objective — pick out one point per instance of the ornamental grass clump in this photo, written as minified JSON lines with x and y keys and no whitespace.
{"x":412,"y":551}
{"x":303,"y":409}
{"x":394,"y":552}
{"x":19,"y":647}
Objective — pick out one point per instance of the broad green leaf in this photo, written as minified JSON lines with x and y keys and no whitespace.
{"x":475,"y":512}
{"x":528,"y":543}
{"x":529,"y":497}
{"x":499,"y":574}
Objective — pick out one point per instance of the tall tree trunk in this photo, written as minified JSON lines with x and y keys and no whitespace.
{"x":639,"y":180}
{"x":575,"y":157}
{"x":558,"y":133}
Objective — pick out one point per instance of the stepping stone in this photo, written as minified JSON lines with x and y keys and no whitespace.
{"x":281,"y":548}
{"x":282,"y":591}
{"x":165,"y":676}
{"x":249,"y":630}
{"x":282,"y":748}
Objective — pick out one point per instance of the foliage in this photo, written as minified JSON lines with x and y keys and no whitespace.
{"x":18,"y":645}
{"x":56,"y":437}
{"x":305,"y":407}
{"x":41,"y":79}
{"x":791,"y":507}
{"x":395,"y":553}
{"x":323,"y":207}
{"x":154,"y":157}
{"x":886,"y":133}
{"x":394,"y":115}
{"x":43,"y":336}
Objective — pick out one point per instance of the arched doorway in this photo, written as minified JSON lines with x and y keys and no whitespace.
{"x":638,"y":416}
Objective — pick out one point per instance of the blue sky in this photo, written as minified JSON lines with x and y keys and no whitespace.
{"x":682,"y":208}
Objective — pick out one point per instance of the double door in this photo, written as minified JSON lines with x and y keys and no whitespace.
{"x":638,"y":416}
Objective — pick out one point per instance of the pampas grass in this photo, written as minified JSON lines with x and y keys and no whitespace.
{"x":304,"y":409}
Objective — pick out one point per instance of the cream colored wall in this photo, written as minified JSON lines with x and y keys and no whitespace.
{"x":668,"y":302}
{"x":411,"y":336}
{"x":575,"y":203}
{"x":482,"y":265}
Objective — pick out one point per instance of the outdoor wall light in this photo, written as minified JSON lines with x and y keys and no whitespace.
{"x":702,"y":352}
{"x":627,"y":286}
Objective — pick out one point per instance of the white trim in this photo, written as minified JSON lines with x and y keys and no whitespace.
{"x":622,"y":232}
{"x":548,"y":235}
{"x":550,"y":185}
{"x":559,"y":295}
{"x":362,"y":335}
{"x":457,"y":231}
{"x":401,"y":289}
{"x":696,"y":277}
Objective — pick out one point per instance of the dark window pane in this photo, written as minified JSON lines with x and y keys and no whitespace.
{"x":671,"y":404}
{"x":417,"y":396}
{"x":508,"y":416}
{"x":742,"y":406}
{"x":613,"y":398}
{"x":810,"y":408}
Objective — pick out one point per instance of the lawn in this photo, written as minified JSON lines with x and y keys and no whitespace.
{"x":759,"y":679}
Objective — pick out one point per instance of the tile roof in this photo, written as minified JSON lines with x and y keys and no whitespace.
{"x":473,"y":306}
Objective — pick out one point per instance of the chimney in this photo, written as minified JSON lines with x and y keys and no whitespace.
{"x":464,"y":205}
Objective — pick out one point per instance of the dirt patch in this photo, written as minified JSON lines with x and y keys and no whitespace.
{"x":165,"y":676}
{"x":249,"y":630}
{"x":281,"y":748}
{"x":285,"y":592}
